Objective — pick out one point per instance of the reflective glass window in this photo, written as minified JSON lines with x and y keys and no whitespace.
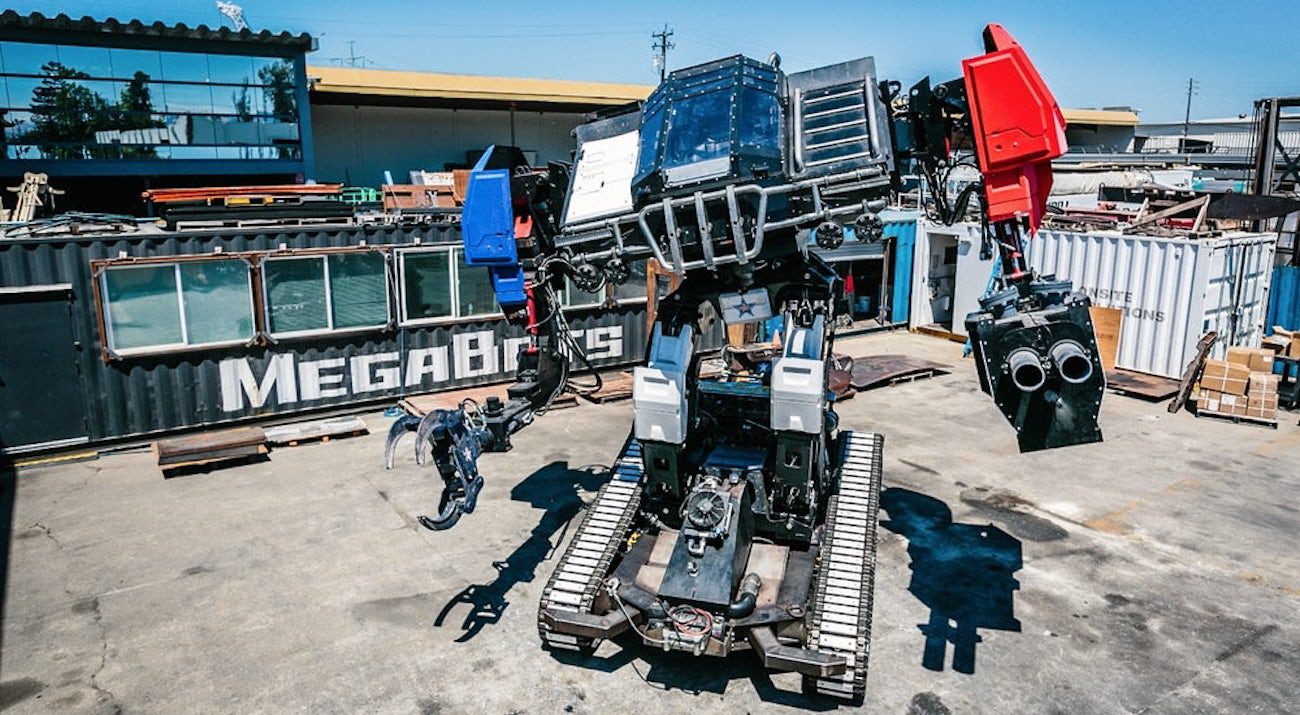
{"x":27,"y":57}
{"x":94,"y":61}
{"x":474,"y":289}
{"x":127,"y":62}
{"x":143,"y":309}
{"x":184,"y":66}
{"x":358,"y":289}
{"x":650,"y":127}
{"x":295,"y":294}
{"x":21,"y":90}
{"x":195,"y":98}
{"x":217,"y":296}
{"x":230,"y":69}
{"x":760,"y":119}
{"x":634,"y":287}
{"x":700,"y":129}
{"x":426,"y":282}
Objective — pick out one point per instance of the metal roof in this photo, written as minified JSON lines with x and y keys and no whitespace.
{"x":1104,"y":117}
{"x":13,"y":23}
{"x":434,"y":87}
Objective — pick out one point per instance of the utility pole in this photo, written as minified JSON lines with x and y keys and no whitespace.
{"x":661,"y":45}
{"x":1187,"y":116}
{"x":353,"y":59}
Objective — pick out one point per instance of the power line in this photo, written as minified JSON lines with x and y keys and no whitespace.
{"x":661,"y":45}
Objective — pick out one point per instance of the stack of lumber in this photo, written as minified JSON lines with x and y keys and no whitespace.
{"x":322,"y":430}
{"x":214,"y":194}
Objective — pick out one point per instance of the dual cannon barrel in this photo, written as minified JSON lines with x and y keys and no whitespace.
{"x":1029,"y":370}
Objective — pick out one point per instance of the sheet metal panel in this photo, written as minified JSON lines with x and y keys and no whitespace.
{"x":1171,"y":290}
{"x":151,"y":394}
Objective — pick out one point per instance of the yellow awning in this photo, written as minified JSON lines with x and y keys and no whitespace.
{"x":438,"y":86}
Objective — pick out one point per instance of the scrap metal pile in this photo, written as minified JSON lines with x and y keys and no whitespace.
{"x":741,"y":514}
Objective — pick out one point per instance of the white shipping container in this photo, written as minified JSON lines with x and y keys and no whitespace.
{"x":1171,"y":290}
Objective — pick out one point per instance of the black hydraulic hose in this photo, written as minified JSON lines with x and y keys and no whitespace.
{"x":747,"y":598}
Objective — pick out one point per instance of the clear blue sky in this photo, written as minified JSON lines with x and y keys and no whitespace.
{"x":1093,"y":53}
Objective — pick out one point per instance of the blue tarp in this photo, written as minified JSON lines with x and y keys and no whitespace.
{"x":1284,"y":299}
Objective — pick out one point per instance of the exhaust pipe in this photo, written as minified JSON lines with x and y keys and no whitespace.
{"x":1026,"y":369}
{"x":1071,"y":361}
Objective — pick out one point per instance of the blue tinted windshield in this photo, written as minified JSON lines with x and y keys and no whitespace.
{"x":700,"y":129}
{"x":650,"y":127}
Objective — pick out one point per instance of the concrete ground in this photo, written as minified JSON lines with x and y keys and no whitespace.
{"x":1157,"y":572}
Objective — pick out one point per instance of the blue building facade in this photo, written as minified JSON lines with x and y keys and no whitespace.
{"x":108,"y":108}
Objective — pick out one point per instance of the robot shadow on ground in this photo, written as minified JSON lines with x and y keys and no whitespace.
{"x":961,"y":572}
{"x":691,"y":674}
{"x":553,"y":488}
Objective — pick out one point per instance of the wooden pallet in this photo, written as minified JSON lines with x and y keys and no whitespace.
{"x":298,"y":433}
{"x":615,"y":387}
{"x":1262,"y":421}
{"x":209,"y":448}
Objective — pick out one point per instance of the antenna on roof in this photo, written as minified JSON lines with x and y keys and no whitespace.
{"x":234,"y":12}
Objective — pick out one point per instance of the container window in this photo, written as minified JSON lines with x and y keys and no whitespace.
{"x":474,"y":289}
{"x":314,"y":294}
{"x":143,"y":310}
{"x":216,"y":299}
{"x":634,"y":287}
{"x":295,"y":295}
{"x":165,"y":306}
{"x":358,"y":289}
{"x":426,"y":285}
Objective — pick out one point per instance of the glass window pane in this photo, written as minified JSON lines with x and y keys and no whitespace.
{"x":358,"y":289}
{"x":21,"y":90}
{"x":218,"y":302}
{"x":574,"y":297}
{"x":475,"y":286}
{"x":127,"y":62}
{"x":634,"y":287}
{"x":17,"y":125}
{"x":27,"y":57}
{"x":184,"y":66}
{"x":231,"y":69}
{"x":295,"y":294}
{"x":142,"y":307}
{"x":428,"y":285}
{"x":279,"y":88}
{"x":94,"y":61}
{"x":760,"y":119}
{"x":700,"y":130}
{"x":650,"y":127}
{"x":186,"y":98}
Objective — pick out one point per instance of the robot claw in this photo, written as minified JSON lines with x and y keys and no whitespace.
{"x":455,"y":439}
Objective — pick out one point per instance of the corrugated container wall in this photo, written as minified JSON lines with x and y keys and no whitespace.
{"x":1172,"y":290}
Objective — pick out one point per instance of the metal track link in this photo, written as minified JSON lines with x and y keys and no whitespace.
{"x":577,"y":578}
{"x":840,"y":618}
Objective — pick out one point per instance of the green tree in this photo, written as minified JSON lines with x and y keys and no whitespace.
{"x":135,"y":110}
{"x":66,"y":114}
{"x":279,"y":87}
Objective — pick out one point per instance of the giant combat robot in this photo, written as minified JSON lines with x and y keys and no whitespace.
{"x":740,"y":513}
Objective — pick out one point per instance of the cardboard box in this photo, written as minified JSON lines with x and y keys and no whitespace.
{"x":1261,"y":360}
{"x":1207,"y":401}
{"x":1228,"y":378}
{"x":1262,"y":407}
{"x":1239,"y":355}
{"x":1277,"y":344}
{"x":1262,"y":383}
{"x":1293,"y":338}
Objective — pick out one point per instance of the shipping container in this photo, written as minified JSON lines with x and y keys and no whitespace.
{"x":111,"y":337}
{"x":878,"y":275}
{"x":1171,"y":290}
